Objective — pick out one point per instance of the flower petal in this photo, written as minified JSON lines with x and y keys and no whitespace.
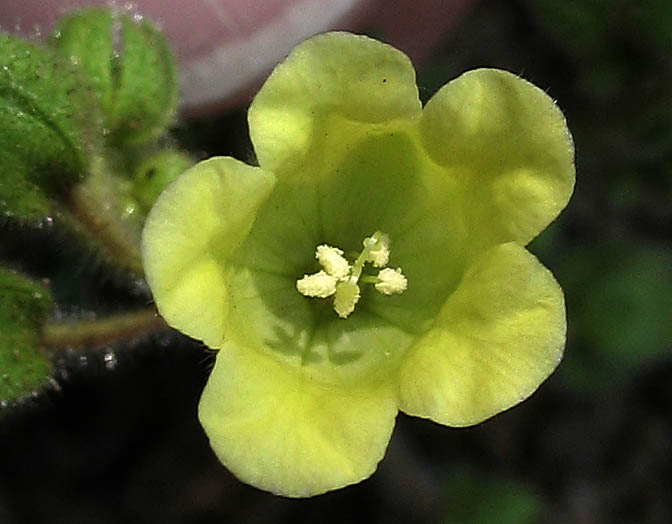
{"x":278,"y":430}
{"x":510,"y":144}
{"x":353,"y":76}
{"x":499,"y":335}
{"x":196,"y":223}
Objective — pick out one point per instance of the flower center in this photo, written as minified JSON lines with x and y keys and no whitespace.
{"x":341,"y":279}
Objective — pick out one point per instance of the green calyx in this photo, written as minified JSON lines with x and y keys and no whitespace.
{"x":129,"y":66}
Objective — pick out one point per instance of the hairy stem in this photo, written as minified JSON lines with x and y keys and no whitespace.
{"x":101,"y":331}
{"x":96,"y":205}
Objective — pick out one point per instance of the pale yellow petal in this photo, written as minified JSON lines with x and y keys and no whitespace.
{"x":195,"y":224}
{"x":352,"y":76}
{"x":508,"y":144}
{"x":497,"y":338}
{"x":280,"y":431}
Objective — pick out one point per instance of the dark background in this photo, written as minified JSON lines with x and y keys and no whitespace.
{"x":117,"y":439}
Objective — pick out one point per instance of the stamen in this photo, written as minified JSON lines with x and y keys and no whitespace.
{"x":340,"y":279}
{"x":319,"y":285}
{"x":391,"y":281}
{"x":378,"y":247}
{"x":333,"y":261}
{"x":346,"y":298}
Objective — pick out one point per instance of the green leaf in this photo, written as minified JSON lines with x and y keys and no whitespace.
{"x":130,"y":66}
{"x":19,"y":197}
{"x":49,"y":127}
{"x":24,"y":305}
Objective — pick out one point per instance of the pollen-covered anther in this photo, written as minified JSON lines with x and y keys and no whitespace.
{"x":320,"y":285}
{"x":391,"y":281}
{"x":342,"y":279}
{"x":346,"y":298}
{"x":378,"y":249}
{"x":333,"y":261}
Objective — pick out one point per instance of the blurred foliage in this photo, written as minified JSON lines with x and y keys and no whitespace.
{"x":620,"y":304}
{"x":615,"y":260}
{"x":619,"y":53}
{"x":474,"y":497}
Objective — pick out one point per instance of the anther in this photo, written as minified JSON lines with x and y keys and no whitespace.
{"x":391,"y":281}
{"x":332,"y":260}
{"x":378,"y":247}
{"x":319,"y":285}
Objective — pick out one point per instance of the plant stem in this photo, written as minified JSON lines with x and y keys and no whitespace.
{"x":103,"y":331}
{"x":96,"y":205}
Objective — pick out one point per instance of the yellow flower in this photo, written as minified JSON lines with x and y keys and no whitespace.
{"x":374,"y":261}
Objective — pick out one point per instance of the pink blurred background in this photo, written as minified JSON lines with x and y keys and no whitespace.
{"x":226,"y":47}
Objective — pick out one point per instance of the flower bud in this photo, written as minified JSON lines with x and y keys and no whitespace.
{"x":130,"y":66}
{"x":155,"y":172}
